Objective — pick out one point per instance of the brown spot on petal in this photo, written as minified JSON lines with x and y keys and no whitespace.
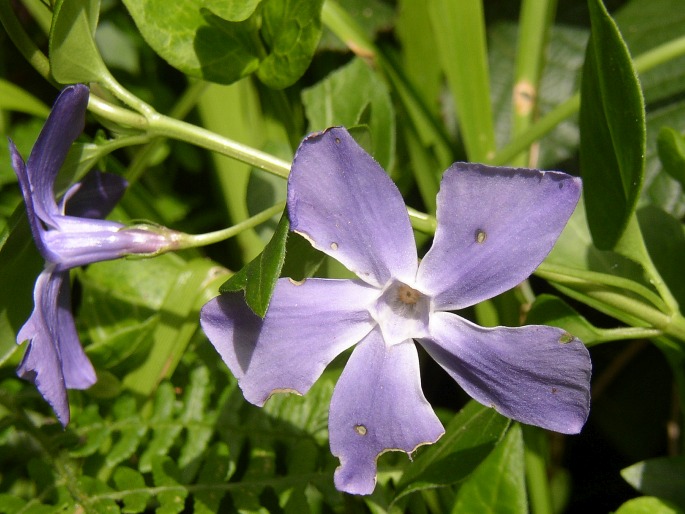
{"x":566,"y":338}
{"x":337,"y":140}
{"x":334,"y":246}
{"x":554,"y":390}
{"x":360,"y":429}
{"x":481,"y":236}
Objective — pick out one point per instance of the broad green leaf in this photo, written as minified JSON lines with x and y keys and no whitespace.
{"x":14,"y":98}
{"x":468,"y":439}
{"x":663,"y":477}
{"x":354,"y":95}
{"x":291,"y":30}
{"x":612,"y":128}
{"x":301,"y":258}
{"x":648,"y":505}
{"x":498,"y":484}
{"x":665,"y":239}
{"x":459,"y":31}
{"x":232,"y":10}
{"x":259,"y":277}
{"x":178,"y":316}
{"x":73,"y":54}
{"x":671,"y":147}
{"x":550,"y":310}
{"x":222,"y":42}
{"x":193,"y":39}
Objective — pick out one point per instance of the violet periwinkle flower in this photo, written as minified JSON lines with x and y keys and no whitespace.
{"x":495,"y":226}
{"x":67,"y":235}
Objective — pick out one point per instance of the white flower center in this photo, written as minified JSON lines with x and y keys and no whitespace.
{"x":402,"y":313}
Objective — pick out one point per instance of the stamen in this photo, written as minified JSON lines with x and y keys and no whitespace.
{"x":407,"y":295}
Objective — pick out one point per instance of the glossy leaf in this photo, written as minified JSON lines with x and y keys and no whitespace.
{"x":468,"y":439}
{"x":663,"y":477}
{"x":550,"y":310}
{"x":74,"y":57}
{"x":291,"y":30}
{"x":14,"y":98}
{"x":648,"y":505}
{"x":671,"y":147}
{"x":354,"y":95}
{"x":259,"y":277}
{"x":498,"y":484}
{"x":232,"y":10}
{"x":612,"y":124}
{"x":221,"y":43}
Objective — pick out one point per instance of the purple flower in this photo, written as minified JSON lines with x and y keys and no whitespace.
{"x":67,"y":235}
{"x":495,"y":226}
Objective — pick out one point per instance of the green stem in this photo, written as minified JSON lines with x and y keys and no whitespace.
{"x":643,"y":63}
{"x":23,"y":42}
{"x":193,"y":241}
{"x":535,"y":22}
{"x":536,"y":455}
{"x":161,"y":125}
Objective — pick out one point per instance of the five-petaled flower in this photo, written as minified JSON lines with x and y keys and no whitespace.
{"x":67,"y":235}
{"x":495,"y":226}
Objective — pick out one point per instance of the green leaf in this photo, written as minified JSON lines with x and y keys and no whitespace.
{"x":347,"y":96}
{"x":196,"y":41}
{"x":550,"y":310}
{"x":20,"y":264}
{"x":671,"y":146}
{"x":74,"y":57}
{"x":663,"y":477}
{"x":648,"y":505}
{"x":612,"y":128}
{"x":172,"y":497}
{"x":232,"y":10}
{"x":459,"y":31}
{"x":259,"y":277}
{"x":165,"y":432}
{"x":468,"y":439}
{"x":14,"y":98}
{"x":498,"y":484}
{"x":129,"y":479}
{"x":665,"y":239}
{"x":223,"y":42}
{"x":291,"y":30}
{"x":215,"y":470}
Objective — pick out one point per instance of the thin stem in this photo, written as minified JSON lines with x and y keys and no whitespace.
{"x":536,"y":454}
{"x":23,"y":42}
{"x":421,"y":221}
{"x":161,"y":125}
{"x":193,"y":241}
{"x":643,"y":63}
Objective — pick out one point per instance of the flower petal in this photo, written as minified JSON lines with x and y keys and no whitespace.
{"x":54,"y":359}
{"x":81,"y":241}
{"x":495,"y":226}
{"x":534,"y":374}
{"x":343,"y":202}
{"x":305,"y":328}
{"x":95,"y":196}
{"x":64,"y":124}
{"x":37,"y":229}
{"x":378,"y":405}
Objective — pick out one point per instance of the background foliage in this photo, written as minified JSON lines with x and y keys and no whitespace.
{"x":200,"y":105}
